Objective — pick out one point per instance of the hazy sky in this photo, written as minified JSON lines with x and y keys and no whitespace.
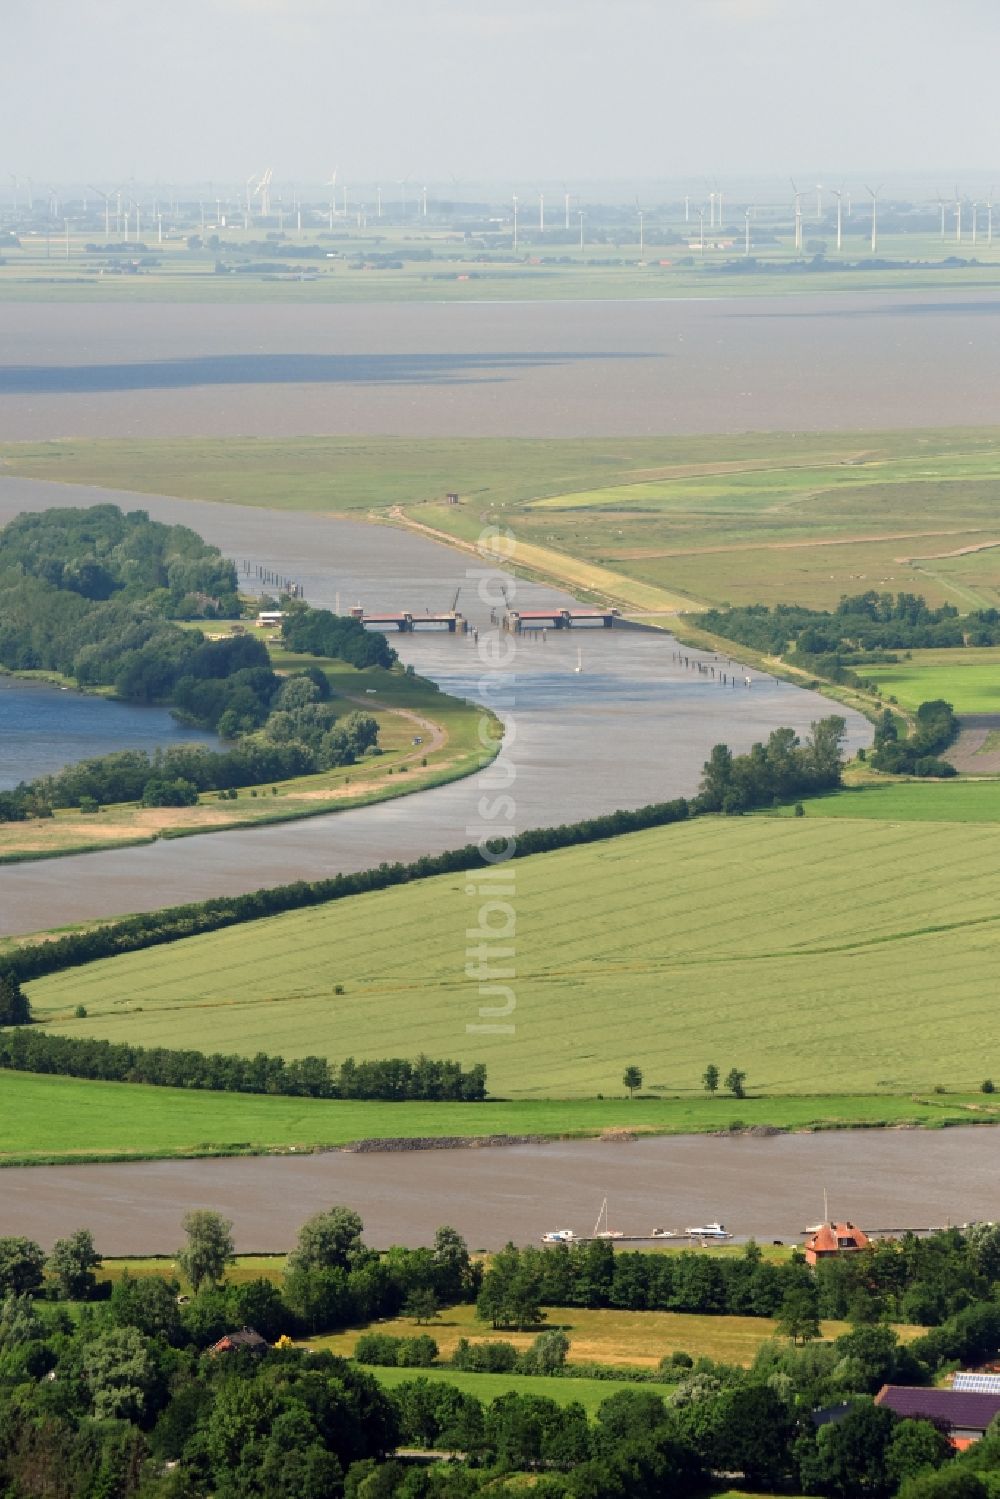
{"x":517,"y":90}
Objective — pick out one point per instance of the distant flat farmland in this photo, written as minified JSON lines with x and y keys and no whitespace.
{"x":820,"y":955}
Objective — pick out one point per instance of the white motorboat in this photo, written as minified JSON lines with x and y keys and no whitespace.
{"x":717,"y":1231}
{"x":559,"y":1236}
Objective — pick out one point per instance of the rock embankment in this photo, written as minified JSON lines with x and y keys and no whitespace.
{"x":441,"y":1142}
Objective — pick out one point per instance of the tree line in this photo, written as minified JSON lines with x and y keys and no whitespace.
{"x":858,"y":626}
{"x":27,"y":1049}
{"x":731,"y":783}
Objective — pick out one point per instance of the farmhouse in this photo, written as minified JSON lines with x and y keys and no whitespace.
{"x":833,"y":1239}
{"x":963,"y":1414}
{"x":245,"y":1338}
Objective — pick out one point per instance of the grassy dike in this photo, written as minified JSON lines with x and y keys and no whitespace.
{"x":61,"y":1120}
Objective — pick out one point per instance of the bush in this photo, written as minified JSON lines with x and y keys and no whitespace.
{"x":987,"y":1086}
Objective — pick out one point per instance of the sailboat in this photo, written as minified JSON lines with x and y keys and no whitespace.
{"x":604,"y":1232}
{"x":814,"y":1228}
{"x":579,"y":659}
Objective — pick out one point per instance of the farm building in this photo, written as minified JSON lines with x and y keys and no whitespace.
{"x":963,"y":1414}
{"x":833,"y":1239}
{"x":245,"y":1338}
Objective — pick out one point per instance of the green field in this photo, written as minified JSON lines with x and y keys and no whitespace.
{"x":755,"y":941}
{"x":909,"y":801}
{"x":47,"y":1119}
{"x":590,"y":1393}
{"x":749,"y":519}
{"x":607,"y":1335}
{"x":968,"y":679}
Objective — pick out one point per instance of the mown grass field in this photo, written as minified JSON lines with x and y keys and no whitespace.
{"x":971,"y":801}
{"x":605,"y":1336}
{"x":590,"y":1393}
{"x":968,"y":679}
{"x":757,"y":941}
{"x":756,"y":518}
{"x":65,"y":1119}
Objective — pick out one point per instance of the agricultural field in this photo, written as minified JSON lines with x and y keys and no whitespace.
{"x":406,"y":707}
{"x":968,"y":679}
{"x":543,"y":269}
{"x":968,"y":801}
{"x":601,"y":1336}
{"x":66,"y":1120}
{"x":655,"y":524}
{"x":660,"y":948}
{"x":590,"y":1393}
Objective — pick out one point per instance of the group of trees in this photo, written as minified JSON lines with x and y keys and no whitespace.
{"x":917,"y":754}
{"x":318,"y":632}
{"x":27,"y":1049}
{"x":735,"y":1080}
{"x":777,"y":771}
{"x":861,"y":625}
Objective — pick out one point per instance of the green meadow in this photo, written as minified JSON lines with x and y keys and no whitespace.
{"x":65,"y":1119}
{"x":756,"y":518}
{"x":757,"y":942}
{"x":968,"y":679}
{"x":964,"y":801}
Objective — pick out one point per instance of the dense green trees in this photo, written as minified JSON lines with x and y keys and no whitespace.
{"x":318,"y":632}
{"x":859,"y":628}
{"x":396,"y":1078}
{"x":917,"y":753}
{"x":777,"y":771}
{"x":14,"y":1006}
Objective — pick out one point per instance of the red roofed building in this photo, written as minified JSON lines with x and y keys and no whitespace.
{"x":833,"y":1239}
{"x":245,"y":1338}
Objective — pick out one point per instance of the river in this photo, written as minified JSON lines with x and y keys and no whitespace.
{"x":766,"y":1188}
{"x":633,"y":726}
{"x":539,"y":369}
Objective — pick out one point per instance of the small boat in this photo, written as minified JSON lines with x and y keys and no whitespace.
{"x":605,"y":1232}
{"x":663,"y":1233}
{"x":579,"y":661}
{"x":717,"y":1231}
{"x":559,"y":1236}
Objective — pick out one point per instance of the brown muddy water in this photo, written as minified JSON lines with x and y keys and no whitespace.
{"x":556,"y":369}
{"x":767,"y":1188}
{"x":633,"y":726}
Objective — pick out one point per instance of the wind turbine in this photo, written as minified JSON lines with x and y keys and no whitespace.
{"x":975,"y":216}
{"x":748,"y":215}
{"x":107,"y":209}
{"x":819,"y":202}
{"x":423,"y":200}
{"x":263,"y":191}
{"x":642,"y":234}
{"x":874,"y":192}
{"x":798,"y":214}
{"x":331,"y":183}
{"x":838,"y":193}
{"x":566,"y":202}
{"x":958,"y":216}
{"x":942,"y":206}
{"x":515,"y":225}
{"x":541,"y":212}
{"x":989,"y":217}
